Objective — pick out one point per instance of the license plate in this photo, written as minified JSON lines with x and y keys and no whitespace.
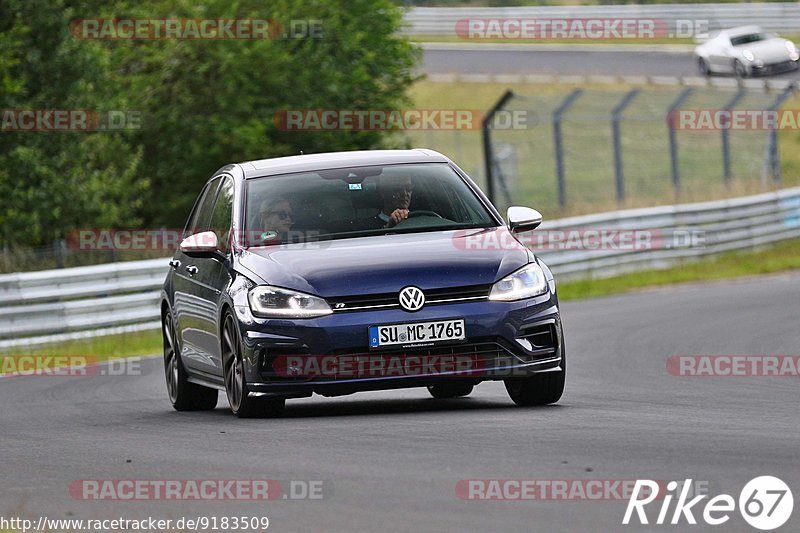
{"x":417,"y":333}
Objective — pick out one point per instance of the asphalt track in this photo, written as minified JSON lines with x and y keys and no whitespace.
{"x":392,"y":459}
{"x":562,"y":60}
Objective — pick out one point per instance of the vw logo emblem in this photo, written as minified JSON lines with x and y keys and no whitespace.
{"x":412,"y":299}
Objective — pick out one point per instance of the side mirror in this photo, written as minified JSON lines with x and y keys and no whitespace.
{"x":523,"y":219}
{"x":203,"y":244}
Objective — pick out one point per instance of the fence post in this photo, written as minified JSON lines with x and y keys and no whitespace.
{"x":559,"y":147}
{"x":673,"y":138}
{"x":726,"y":144}
{"x":772,"y":164}
{"x":488,"y":152}
{"x":58,"y":253}
{"x":616,"y":115}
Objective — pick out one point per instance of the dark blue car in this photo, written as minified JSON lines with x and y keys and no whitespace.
{"x":346,"y":272}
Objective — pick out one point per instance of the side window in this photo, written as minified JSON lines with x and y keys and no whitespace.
{"x":222,"y":215}
{"x":201,"y":218}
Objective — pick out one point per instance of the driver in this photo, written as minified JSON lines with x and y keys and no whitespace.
{"x":395,"y":193}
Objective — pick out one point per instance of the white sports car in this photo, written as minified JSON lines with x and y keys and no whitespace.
{"x":745,"y":51}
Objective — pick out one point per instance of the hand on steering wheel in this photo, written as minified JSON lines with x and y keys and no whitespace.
{"x":398,"y":216}
{"x":422,"y":212}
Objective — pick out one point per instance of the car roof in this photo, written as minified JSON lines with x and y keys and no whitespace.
{"x":312,"y":162}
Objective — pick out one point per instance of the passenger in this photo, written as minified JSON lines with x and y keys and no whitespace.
{"x":276,"y":218}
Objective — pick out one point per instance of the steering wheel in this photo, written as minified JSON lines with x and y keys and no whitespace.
{"x":423,"y":213}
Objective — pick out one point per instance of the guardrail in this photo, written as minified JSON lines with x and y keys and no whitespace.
{"x":775,"y":17}
{"x":82,"y":300}
{"x":715,"y":227}
{"x":60,"y":304}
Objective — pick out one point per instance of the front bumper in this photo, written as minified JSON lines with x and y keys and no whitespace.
{"x":503,"y":339}
{"x":764,"y":68}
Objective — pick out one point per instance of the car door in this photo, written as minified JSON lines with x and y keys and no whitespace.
{"x":214,"y":276}
{"x":193,"y":291}
{"x":721,"y":54}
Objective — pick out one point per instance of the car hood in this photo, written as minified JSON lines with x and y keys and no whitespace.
{"x":767,"y":50}
{"x":387,"y":263}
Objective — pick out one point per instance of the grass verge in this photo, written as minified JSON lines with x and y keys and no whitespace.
{"x":97,"y":349}
{"x":780,"y":257}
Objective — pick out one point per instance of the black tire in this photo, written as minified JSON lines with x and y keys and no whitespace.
{"x":739,"y":69}
{"x":539,"y":389}
{"x":450,"y":390}
{"x":242,"y":404}
{"x":183,"y":395}
{"x":703,"y":67}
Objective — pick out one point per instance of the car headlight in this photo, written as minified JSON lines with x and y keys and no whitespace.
{"x":748,"y":55}
{"x":273,"y":302}
{"x":794,"y":54}
{"x":526,"y":282}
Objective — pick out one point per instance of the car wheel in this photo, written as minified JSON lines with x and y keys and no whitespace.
{"x":739,"y":69}
{"x":450,"y":390}
{"x":184,"y":396}
{"x":242,"y":404}
{"x":703,"y":67}
{"x":539,"y":389}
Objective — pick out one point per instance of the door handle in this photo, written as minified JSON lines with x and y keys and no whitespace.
{"x":192,"y":270}
{"x":175,"y":264}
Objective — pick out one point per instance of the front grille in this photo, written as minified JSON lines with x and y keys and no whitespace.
{"x":390,"y":300}
{"x":469,"y":359}
{"x":484,"y":348}
{"x":777,"y":67}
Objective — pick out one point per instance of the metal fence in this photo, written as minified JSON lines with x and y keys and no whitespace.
{"x":62,"y":253}
{"x":587,"y":151}
{"x":776,"y":17}
{"x":55,"y":305}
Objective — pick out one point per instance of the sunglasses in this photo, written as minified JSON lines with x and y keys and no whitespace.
{"x":283,"y":215}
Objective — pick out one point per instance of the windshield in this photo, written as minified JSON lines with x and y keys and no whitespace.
{"x":749,"y":38}
{"x":358,"y":202}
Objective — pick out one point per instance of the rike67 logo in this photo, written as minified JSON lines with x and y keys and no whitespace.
{"x":766,"y":503}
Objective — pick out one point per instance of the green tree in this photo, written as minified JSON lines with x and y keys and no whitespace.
{"x":203,"y":103}
{"x":54,"y":182}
